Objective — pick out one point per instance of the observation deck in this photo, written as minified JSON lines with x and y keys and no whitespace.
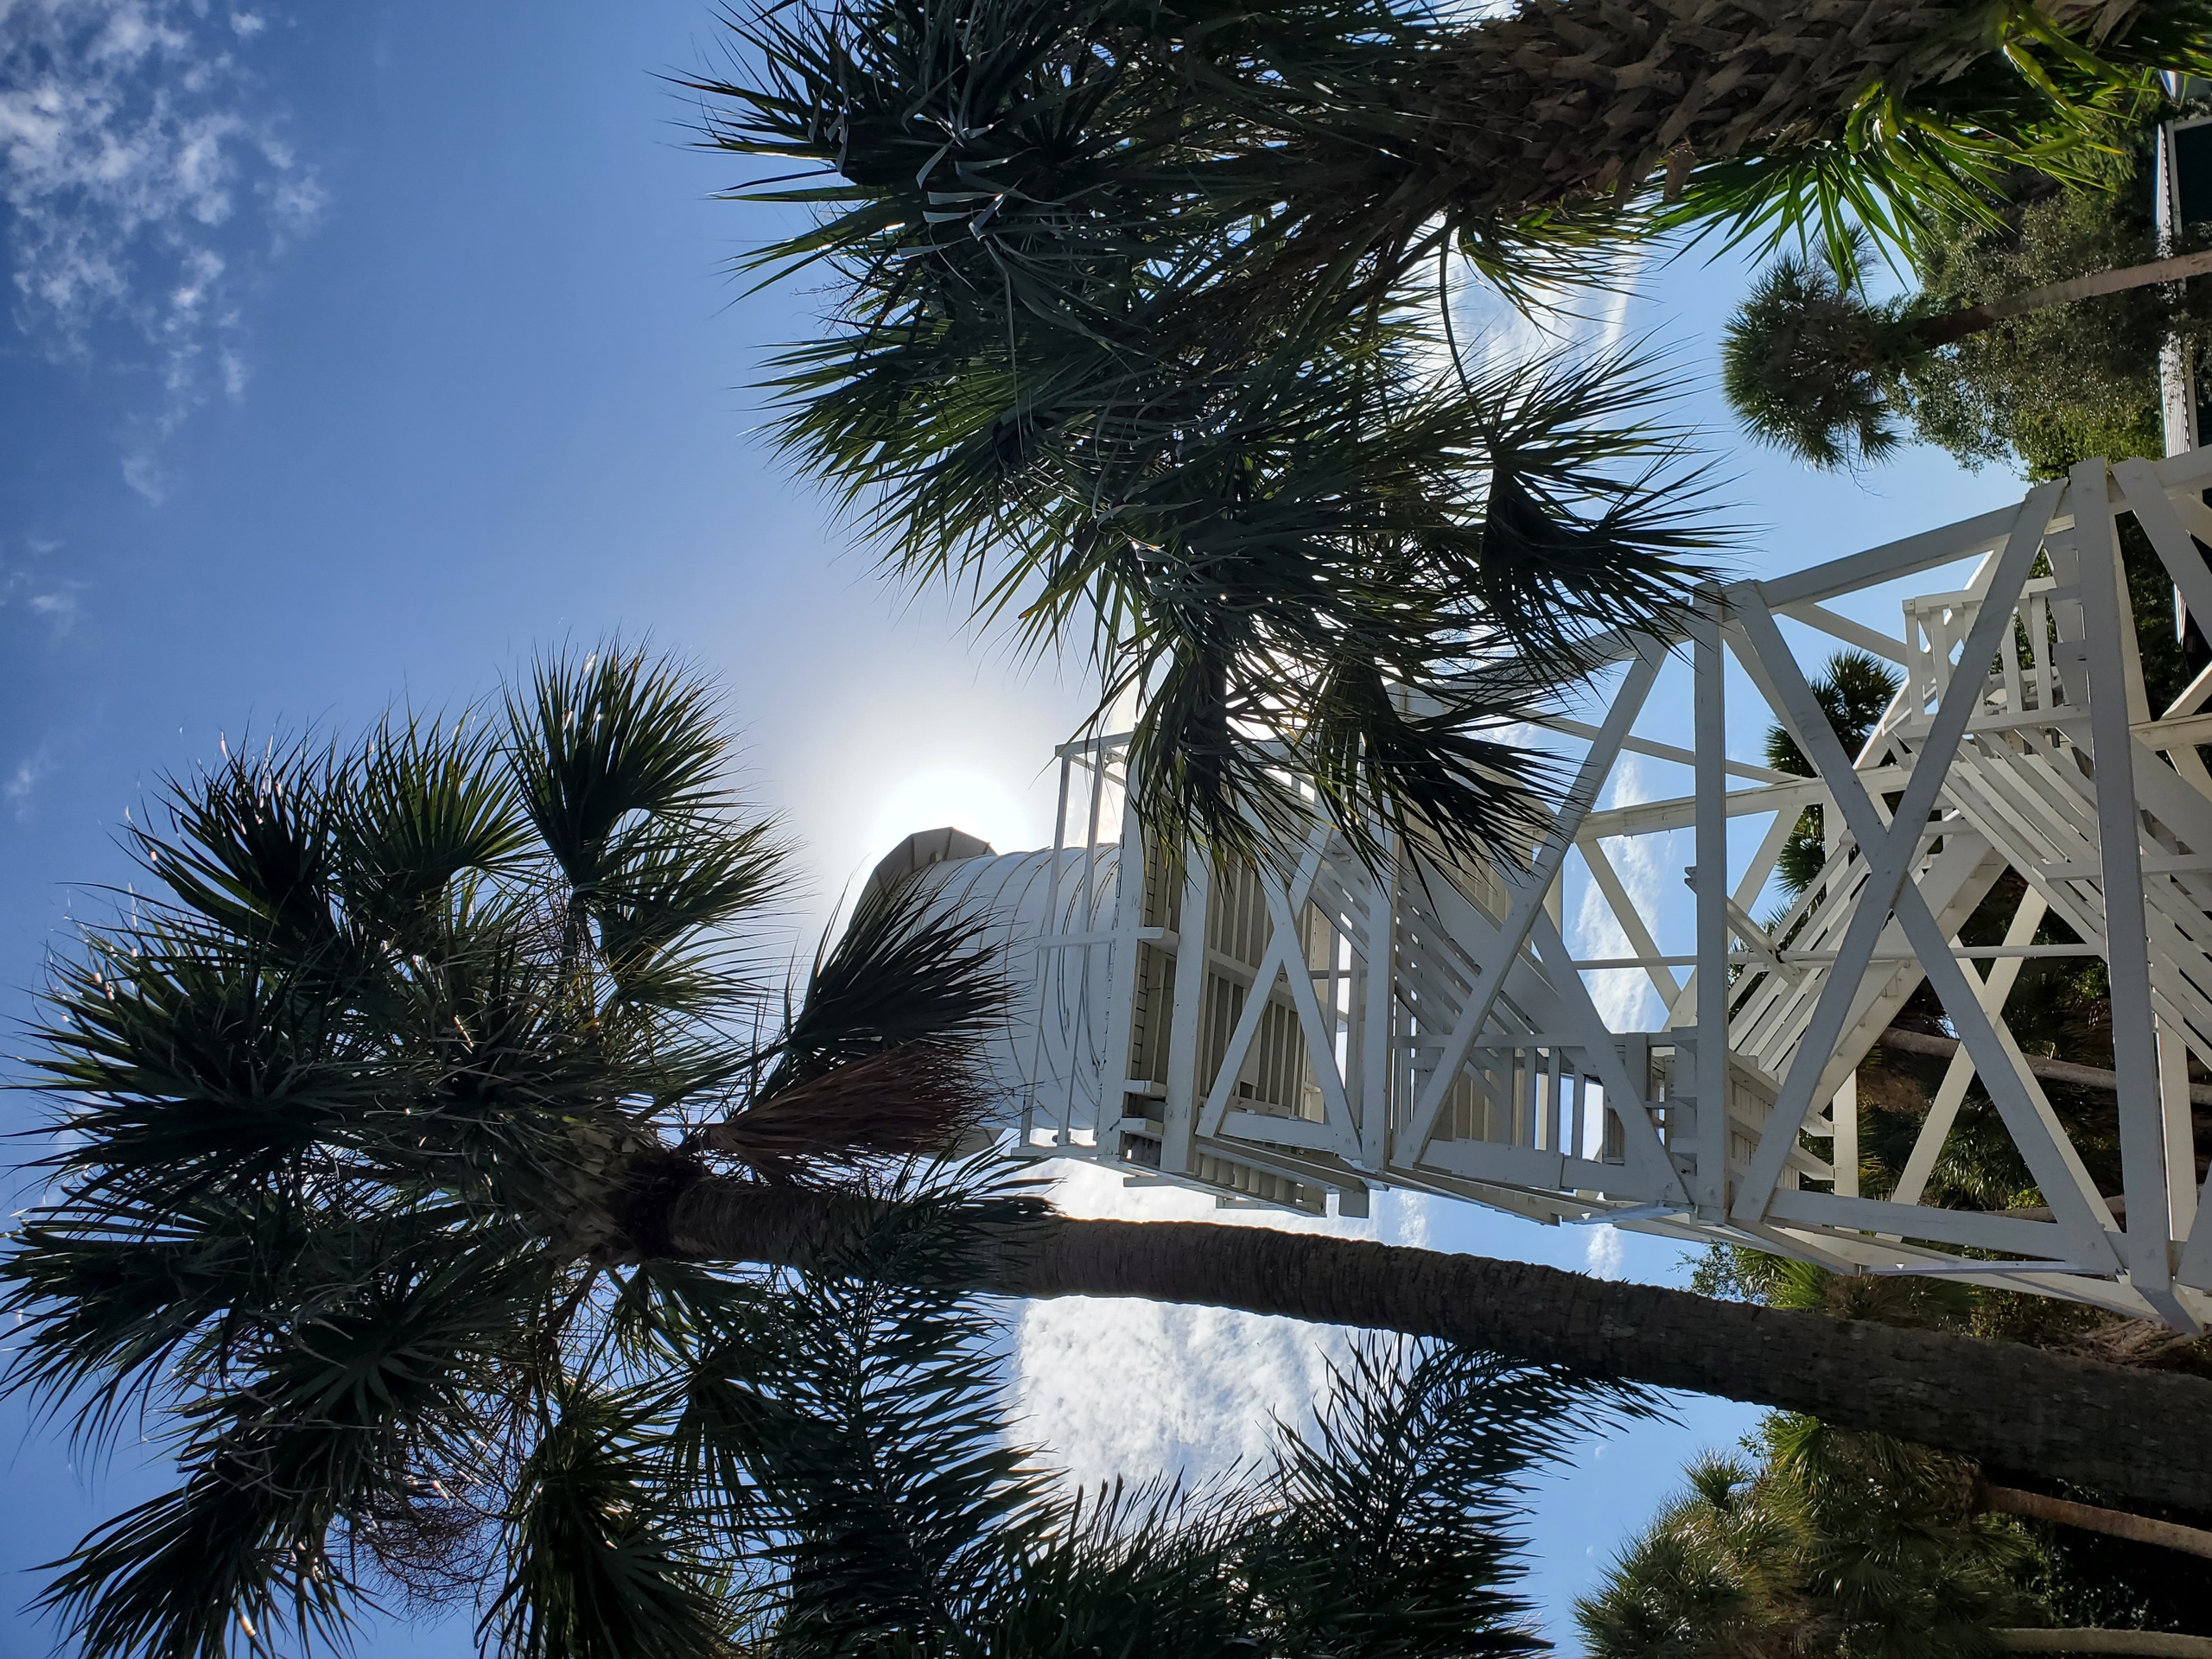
{"x":1308,"y":1032}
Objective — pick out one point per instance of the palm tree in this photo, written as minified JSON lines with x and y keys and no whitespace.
{"x":897,"y":1516}
{"x":362,"y":1102}
{"x":372,"y":1106}
{"x":1849,"y":1543}
{"x":419,"y":1128}
{"x":1816,"y":369}
{"x":2132,"y":1434}
{"x":1838,"y":1543}
{"x":1853,"y":690}
{"x":1184,"y":172}
{"x":1130,"y":330}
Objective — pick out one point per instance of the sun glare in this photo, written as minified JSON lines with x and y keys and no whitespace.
{"x":972,"y":801}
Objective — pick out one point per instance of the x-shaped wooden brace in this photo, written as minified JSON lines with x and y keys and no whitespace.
{"x":1645,"y":1155}
{"x":1285,"y":956}
{"x":1891,"y":851}
{"x":1529,"y":887}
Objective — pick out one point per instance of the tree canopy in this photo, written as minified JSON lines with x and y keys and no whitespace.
{"x":1134,"y":328}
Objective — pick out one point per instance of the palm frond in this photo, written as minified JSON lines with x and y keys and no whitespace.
{"x":198,"y":1574}
{"x":252,"y":845}
{"x":874,"y":1432}
{"x":596,"y":739}
{"x":347,"y":1109}
{"x":1809,"y":363}
{"x":1391,"y":1533}
{"x":596,"y":1569}
{"x":424,"y":806}
{"x":905,"y":971}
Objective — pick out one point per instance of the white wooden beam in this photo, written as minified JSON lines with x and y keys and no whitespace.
{"x":1529,"y":891}
{"x":1379,"y":944}
{"x":1936,"y":1129}
{"x":1624,"y":906}
{"x":1891,"y":851}
{"x":1710,"y":1090}
{"x":1320,"y":1040}
{"x":1843,"y":628}
{"x":1179,"y":1109}
{"x":2119,"y":835}
{"x":2041,"y":1139}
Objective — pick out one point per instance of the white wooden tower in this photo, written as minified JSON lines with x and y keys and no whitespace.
{"x":1280,"y":1035}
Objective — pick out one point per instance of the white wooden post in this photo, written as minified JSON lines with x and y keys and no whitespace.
{"x":2120,"y":840}
{"x":1708,"y":719}
{"x":1178,"y":1111}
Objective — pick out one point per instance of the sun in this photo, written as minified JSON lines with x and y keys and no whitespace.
{"x":965,"y":799}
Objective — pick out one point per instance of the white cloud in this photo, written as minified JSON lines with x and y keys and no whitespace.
{"x":1136,"y":1390}
{"x":1624,"y":996}
{"x":23,"y":778}
{"x":26,"y":582}
{"x":1605,"y":1254}
{"x":144,"y":183}
{"x":1495,"y":334}
{"x":58,"y":609}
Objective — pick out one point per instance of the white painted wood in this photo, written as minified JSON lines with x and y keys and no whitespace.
{"x":1943,"y":1111}
{"x":2180,"y":1132}
{"x":1320,"y":1033}
{"x":1632,"y":922}
{"x":1379,"y":944}
{"x":1710,"y":1090}
{"x":1891,"y":852}
{"x":2127,"y":951}
{"x":1179,"y":1111}
{"x":1532,"y":886}
{"x":1843,"y":628}
{"x":2016,"y":769}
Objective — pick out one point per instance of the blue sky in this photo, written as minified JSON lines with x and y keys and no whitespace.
{"x":352,"y":352}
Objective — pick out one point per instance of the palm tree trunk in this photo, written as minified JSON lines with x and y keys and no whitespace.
{"x":1576,"y":98}
{"x":2117,"y":1523}
{"x":2137,"y":1436}
{"x":2160,"y":1644}
{"x":1972,"y":319}
{"x":1907,"y":1041}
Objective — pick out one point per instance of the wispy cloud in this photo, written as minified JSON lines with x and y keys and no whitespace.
{"x":145,"y":179}
{"x":22,"y":778}
{"x":1494,"y":334}
{"x":1624,"y":996}
{"x":30,"y":583}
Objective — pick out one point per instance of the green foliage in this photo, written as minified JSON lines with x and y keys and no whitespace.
{"x":370,"y":1101}
{"x":1714,"y":1575}
{"x":1809,"y":362}
{"x":376,"y":1108}
{"x":1844,"y":1543}
{"x":1133,"y":337}
{"x":1386,"y":1530}
{"x":1819,"y":370}
{"x":594,"y":1565}
{"x":858,"y":1422}
{"x":1853,"y":690}
{"x":1932,"y":139}
{"x":2051,"y":387}
{"x":2071,"y":1576}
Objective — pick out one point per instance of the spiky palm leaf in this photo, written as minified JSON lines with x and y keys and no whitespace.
{"x":1839,"y":1542}
{"x":362,"y":1100}
{"x":910,"y":1524}
{"x":1187,"y":172}
{"x":1809,"y":362}
{"x":368,"y":1138}
{"x":1130,"y":327}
